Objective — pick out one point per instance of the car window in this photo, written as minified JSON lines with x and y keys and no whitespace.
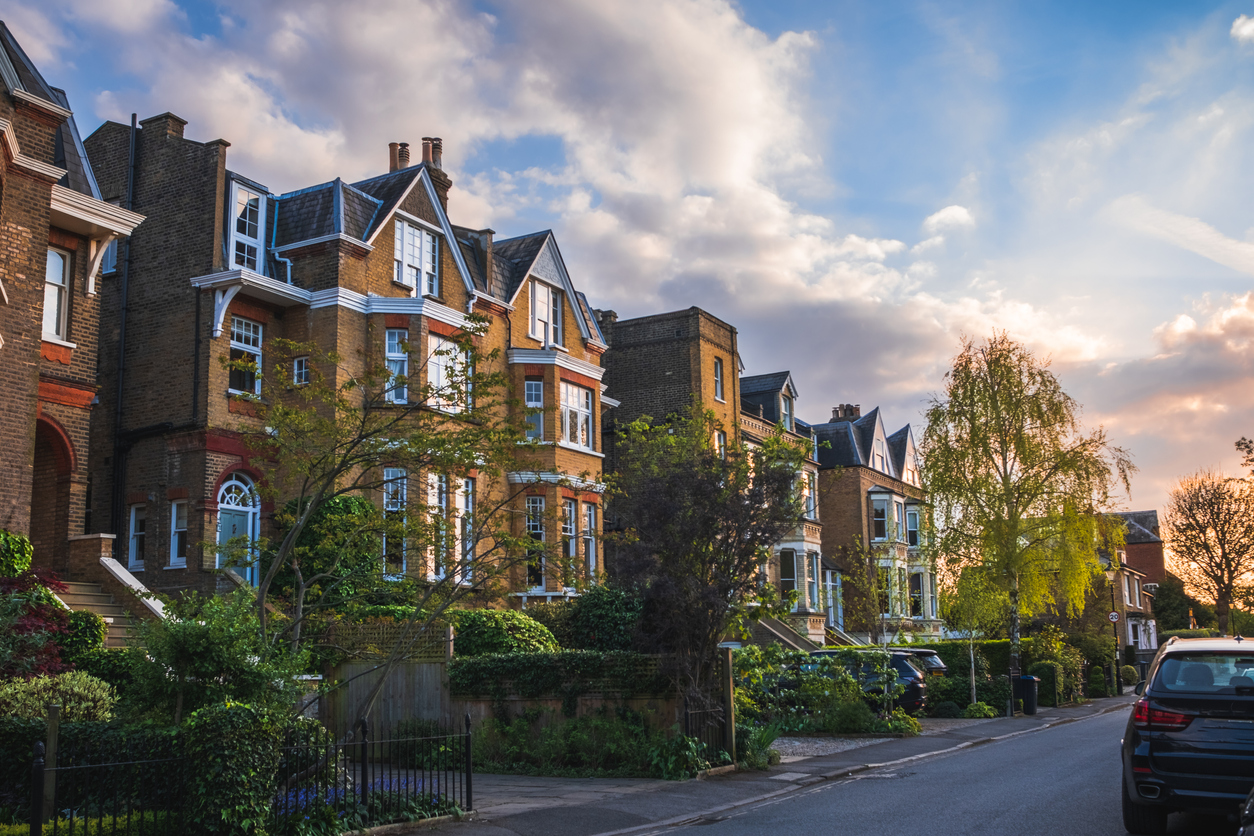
{"x":1206,"y":673}
{"x":907,"y":666}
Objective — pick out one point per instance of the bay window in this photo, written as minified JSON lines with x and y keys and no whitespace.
{"x":535,"y":554}
{"x":787,"y":573}
{"x":590,"y":540}
{"x":533,"y":398}
{"x":879,"y":519}
{"x":448,"y":373}
{"x":912,"y":528}
{"x":466,"y":524}
{"x":397,"y":357}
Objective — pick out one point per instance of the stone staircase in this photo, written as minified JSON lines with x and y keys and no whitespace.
{"x":90,"y":596}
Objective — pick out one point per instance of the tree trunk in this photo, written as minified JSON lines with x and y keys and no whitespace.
{"x":1223,"y":607}
{"x":1014,"y":641}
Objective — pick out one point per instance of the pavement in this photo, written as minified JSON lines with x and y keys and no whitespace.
{"x":511,"y":805}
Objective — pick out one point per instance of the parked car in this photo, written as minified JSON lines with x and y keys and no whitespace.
{"x":930,"y":660}
{"x":1189,"y":744}
{"x":910,"y":676}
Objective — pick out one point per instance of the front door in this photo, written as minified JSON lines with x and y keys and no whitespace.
{"x":237,"y":523}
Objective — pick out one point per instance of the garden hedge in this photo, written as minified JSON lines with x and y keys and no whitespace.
{"x":235,"y":749}
{"x":1050,"y":674}
{"x":481,"y":632}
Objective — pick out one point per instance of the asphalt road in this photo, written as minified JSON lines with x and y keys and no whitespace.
{"x":1063,"y":780}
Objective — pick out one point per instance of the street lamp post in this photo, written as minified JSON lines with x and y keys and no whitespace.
{"x":1111,"y":574}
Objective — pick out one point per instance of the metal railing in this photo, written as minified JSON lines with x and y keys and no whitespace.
{"x":708,"y":726}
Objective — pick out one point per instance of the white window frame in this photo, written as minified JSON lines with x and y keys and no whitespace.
{"x":899,"y":510}
{"x":590,"y":540}
{"x":395,"y":501}
{"x":242,"y":225}
{"x":535,"y":530}
{"x":138,"y":536}
{"x":396,"y":355}
{"x":442,"y":534}
{"x":912,"y":527}
{"x":577,"y":426}
{"x":1127,"y":590}
{"x":877,"y":506}
{"x":466,"y":531}
{"x":788,"y":578}
{"x":811,"y":491}
{"x":245,"y":341}
{"x":533,"y":398}
{"x":881,"y":459}
{"x":58,"y":293}
{"x":718,"y":380}
{"x":922,"y":594}
{"x":932,"y":599}
{"x":416,"y":258}
{"x":785,"y":411}
{"x":300,"y":370}
{"x":178,"y":527}
{"x":546,"y":313}
{"x":570,"y":534}
{"x":446,"y":366}
{"x":813,"y":580}
{"x":720,"y":444}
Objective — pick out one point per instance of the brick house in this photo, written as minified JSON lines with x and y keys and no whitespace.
{"x":57,"y":228}
{"x":1143,"y":568}
{"x":870,"y":494}
{"x":658,"y":366}
{"x":375,"y":268}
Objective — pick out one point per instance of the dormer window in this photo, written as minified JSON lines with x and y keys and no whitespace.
{"x":881,"y":460}
{"x":546,"y":313}
{"x":416,"y":258}
{"x":785,"y":412}
{"x":247,"y":227}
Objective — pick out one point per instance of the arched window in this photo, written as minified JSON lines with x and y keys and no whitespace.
{"x":239,"y":515}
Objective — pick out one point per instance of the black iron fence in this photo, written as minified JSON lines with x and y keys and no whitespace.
{"x":359,"y":783}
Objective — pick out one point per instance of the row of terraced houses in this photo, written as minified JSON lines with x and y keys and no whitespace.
{"x":133,"y":260}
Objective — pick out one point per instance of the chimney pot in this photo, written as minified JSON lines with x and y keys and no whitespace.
{"x":837,"y":412}
{"x":855,"y":410}
{"x":437,"y":152}
{"x":393,"y":163}
{"x":402,"y":156}
{"x":426,"y":150}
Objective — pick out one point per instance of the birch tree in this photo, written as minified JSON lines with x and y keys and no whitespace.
{"x":1019,"y":487}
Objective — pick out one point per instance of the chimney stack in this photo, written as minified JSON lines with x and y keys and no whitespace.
{"x":426,"y":150}
{"x":393,"y":163}
{"x":838,"y":412}
{"x":855,"y":410}
{"x":437,"y":152}
{"x":402,"y":156}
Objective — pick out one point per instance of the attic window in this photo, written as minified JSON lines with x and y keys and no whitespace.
{"x":881,"y":461}
{"x":546,"y":313}
{"x":416,"y":258}
{"x":785,"y":412}
{"x":249,"y":221}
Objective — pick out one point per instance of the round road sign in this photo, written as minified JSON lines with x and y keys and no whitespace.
{"x":1114,"y":617}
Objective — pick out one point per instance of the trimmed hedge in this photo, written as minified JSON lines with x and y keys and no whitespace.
{"x":564,"y":673}
{"x":481,"y":632}
{"x":1050,"y":674}
{"x":236,"y":752}
{"x":1097,"y":682}
{"x":80,"y":695}
{"x":86,"y":634}
{"x":1188,"y":634}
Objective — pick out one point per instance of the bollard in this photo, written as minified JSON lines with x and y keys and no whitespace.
{"x":37,"y":791}
{"x":470,"y":770}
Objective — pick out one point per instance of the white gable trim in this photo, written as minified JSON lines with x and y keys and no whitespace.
{"x":568,"y":287}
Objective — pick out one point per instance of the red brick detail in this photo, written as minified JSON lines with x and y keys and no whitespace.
{"x":226,"y":474}
{"x":176,"y":493}
{"x":66,"y":394}
{"x":584,"y":496}
{"x":488,"y":306}
{"x":443,"y":329}
{"x":396,"y":320}
{"x":62,"y":447}
{"x":536,"y":491}
{"x":231,"y":444}
{"x":238,"y":407}
{"x":593,"y":349}
{"x":62,"y":354}
{"x":533,"y":370}
{"x":137,"y":498}
{"x":241,"y":308}
{"x":64,"y":240}
{"x":582,"y":380}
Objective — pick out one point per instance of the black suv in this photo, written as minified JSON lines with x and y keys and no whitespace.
{"x":929,"y":660}
{"x":909,"y":675}
{"x":1189,"y":744}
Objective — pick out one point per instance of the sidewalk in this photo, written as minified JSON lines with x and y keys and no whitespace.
{"x":530,"y":806}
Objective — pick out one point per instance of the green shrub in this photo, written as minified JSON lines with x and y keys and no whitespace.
{"x":480,"y":632}
{"x":1097,"y":648}
{"x":604,"y":618}
{"x":236,"y":752}
{"x":87,"y":634}
{"x":1051,"y":676}
{"x":753,"y":746}
{"x":946,"y":710}
{"x":957,"y":656}
{"x":980,"y":711}
{"x":555,"y":615}
{"x":423,"y":754}
{"x":683,"y":757}
{"x":80,"y":695}
{"x":1097,"y":681}
{"x":849,"y":718}
{"x":1187,"y":634}
{"x":147,"y":821}
{"x":899,"y":722}
{"x":113,"y":665}
{"x":791,"y":688}
{"x":609,"y":742}
{"x":1129,"y":675}
{"x":15,"y":554}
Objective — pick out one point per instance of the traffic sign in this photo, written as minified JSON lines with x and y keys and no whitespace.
{"x":1114,"y":617}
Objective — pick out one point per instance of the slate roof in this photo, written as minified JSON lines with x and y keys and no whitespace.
{"x":1141,"y":526}
{"x":759,"y":383}
{"x":517,"y":255}
{"x":19,"y":72}
{"x":325,"y":209}
{"x":388,"y":189}
{"x":850,"y":442}
{"x":897,"y":445}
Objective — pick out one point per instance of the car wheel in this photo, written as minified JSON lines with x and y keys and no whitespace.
{"x":1142,"y":819}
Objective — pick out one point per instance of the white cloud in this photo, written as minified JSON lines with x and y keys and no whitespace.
{"x":1243,"y":29}
{"x":951,"y":217}
{"x":928,"y":244}
{"x":1135,"y":212}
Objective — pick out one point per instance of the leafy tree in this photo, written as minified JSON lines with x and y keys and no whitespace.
{"x":875,"y":595}
{"x":1209,"y":527}
{"x":697,"y":531}
{"x":337,"y":436}
{"x":1018,"y":485}
{"x":1172,"y":605}
{"x":972,"y":606}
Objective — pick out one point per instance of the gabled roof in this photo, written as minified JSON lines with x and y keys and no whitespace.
{"x":20,"y":74}
{"x":326,"y":209}
{"x":538,"y":254}
{"x":516,"y":255}
{"x":774,"y":383}
{"x":1141,"y":526}
{"x":842,"y":446}
{"x":851,"y":443}
{"x":389,"y":189}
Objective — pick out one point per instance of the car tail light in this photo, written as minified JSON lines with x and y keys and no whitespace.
{"x":1155,"y":719}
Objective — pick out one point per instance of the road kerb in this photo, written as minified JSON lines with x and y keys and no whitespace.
{"x":844,"y":772}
